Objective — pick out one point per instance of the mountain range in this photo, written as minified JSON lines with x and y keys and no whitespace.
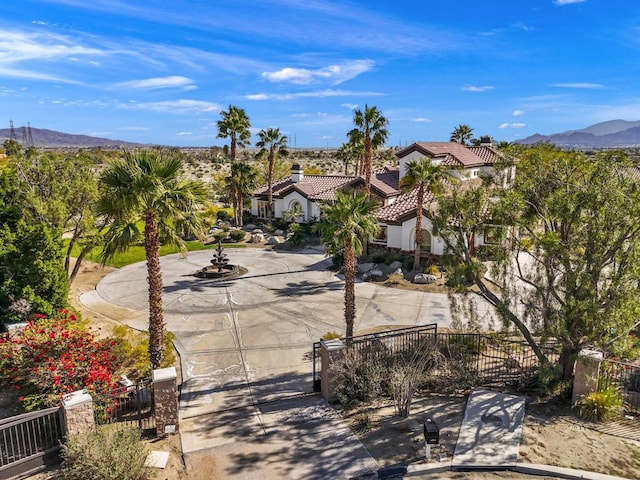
{"x":611,"y":134}
{"x":41,"y":137}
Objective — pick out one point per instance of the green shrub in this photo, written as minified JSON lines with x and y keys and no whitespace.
{"x":393,"y":257}
{"x":221,"y":236}
{"x":295,"y":235}
{"x":223,"y":214}
{"x":331,"y":335}
{"x":237,"y":235}
{"x":432,"y":270}
{"x":600,"y":406}
{"x":378,"y":255}
{"x":106,"y":454}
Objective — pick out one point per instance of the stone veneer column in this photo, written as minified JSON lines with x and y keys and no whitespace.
{"x":165,"y":400}
{"x":77,"y":413}
{"x":330,"y":352}
{"x":585,"y":374}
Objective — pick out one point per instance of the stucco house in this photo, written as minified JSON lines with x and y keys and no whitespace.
{"x":396,"y":214}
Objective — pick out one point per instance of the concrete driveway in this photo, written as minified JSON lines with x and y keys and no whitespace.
{"x":245,"y":344}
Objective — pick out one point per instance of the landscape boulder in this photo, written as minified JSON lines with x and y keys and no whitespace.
{"x":278,"y":233}
{"x":424,"y":278}
{"x":256,"y":238}
{"x":395,"y":265}
{"x":365,"y":267}
{"x":274,"y":240}
{"x":251,"y":227}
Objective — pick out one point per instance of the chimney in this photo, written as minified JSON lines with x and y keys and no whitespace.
{"x":297,"y":173}
{"x":486,"y":141}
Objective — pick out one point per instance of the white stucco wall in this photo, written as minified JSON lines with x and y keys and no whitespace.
{"x":286,"y":202}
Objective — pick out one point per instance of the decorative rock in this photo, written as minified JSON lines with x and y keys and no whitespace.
{"x":424,"y":278}
{"x":278,"y":233}
{"x":256,"y":230}
{"x":398,"y":271}
{"x":251,"y":227}
{"x":256,"y":238}
{"x":395,"y":265}
{"x":377,"y":273}
{"x":365,"y":267}
{"x":274,"y":241}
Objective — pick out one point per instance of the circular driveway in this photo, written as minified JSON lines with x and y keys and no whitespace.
{"x":250,"y":339}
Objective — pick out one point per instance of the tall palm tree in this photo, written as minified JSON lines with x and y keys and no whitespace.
{"x":345,"y":226}
{"x":241,"y":179}
{"x":234,"y":125}
{"x":147,"y":186}
{"x":273,"y":144}
{"x":462,"y":134}
{"x":372,"y":126}
{"x":425,"y":177}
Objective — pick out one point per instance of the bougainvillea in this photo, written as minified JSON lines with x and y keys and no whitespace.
{"x":53,"y":356}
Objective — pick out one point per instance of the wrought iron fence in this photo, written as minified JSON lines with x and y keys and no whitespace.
{"x":381,"y":342}
{"x":625,"y":378}
{"x":486,"y":359}
{"x":130,"y":405}
{"x":29,"y":440}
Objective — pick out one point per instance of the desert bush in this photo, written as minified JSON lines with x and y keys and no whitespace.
{"x":357,"y":378}
{"x":132,"y":350}
{"x":395,"y":279}
{"x":221,"y":236}
{"x":601,"y":406}
{"x":432,"y":270}
{"x":331,"y":335}
{"x":295,"y":234}
{"x":237,"y":235}
{"x":106,"y":454}
{"x":378,"y":255}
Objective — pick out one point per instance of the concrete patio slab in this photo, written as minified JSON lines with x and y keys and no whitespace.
{"x":490,"y":432}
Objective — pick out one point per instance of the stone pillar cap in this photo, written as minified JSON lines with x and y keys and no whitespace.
{"x":164,"y":374}
{"x":334,"y":344}
{"x":591,"y":354}
{"x":73,"y":399}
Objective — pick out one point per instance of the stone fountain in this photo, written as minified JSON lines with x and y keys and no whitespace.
{"x":220,"y":267}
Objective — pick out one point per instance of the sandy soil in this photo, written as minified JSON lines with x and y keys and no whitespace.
{"x":551,"y":434}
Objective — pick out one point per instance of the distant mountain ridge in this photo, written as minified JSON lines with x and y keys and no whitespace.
{"x":610,"y":134}
{"x":51,"y":138}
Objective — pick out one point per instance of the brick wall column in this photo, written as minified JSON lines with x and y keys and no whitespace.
{"x":585,"y":374}
{"x":77,"y":413}
{"x":330,"y":352}
{"x":165,"y":400}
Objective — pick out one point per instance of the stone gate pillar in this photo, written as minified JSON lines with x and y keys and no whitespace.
{"x":77,"y":413}
{"x":165,"y":400}
{"x":330,"y":352}
{"x":585,"y":374}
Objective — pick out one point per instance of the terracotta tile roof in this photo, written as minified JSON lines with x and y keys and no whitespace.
{"x":323,"y":187}
{"x":454,"y":154}
{"x":404,"y":207}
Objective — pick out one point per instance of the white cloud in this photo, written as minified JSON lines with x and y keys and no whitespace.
{"x":350,"y":106}
{"x":567,"y":2}
{"x":334,"y":74}
{"x":181,"y":106}
{"x":316,"y":94}
{"x":421,"y":120}
{"x":476,"y":88}
{"x":517,"y":113}
{"x":174,"y":81}
{"x":512,"y":125}
{"x":183,"y":134}
{"x":579,"y":85}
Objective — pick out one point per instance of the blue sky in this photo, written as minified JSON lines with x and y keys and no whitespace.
{"x":159,"y":71}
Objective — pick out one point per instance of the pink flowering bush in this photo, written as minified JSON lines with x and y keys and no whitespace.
{"x":53,"y":356}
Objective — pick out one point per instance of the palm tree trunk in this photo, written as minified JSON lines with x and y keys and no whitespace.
{"x":349,"y":287}
{"x":270,"y":184}
{"x":154,"y":278}
{"x":233,"y":148}
{"x":367,"y":164}
{"x":416,"y":253}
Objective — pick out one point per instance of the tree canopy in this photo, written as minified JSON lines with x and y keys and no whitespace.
{"x":568,"y":259}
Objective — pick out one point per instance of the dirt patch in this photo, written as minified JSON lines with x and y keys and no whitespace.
{"x":551,"y":435}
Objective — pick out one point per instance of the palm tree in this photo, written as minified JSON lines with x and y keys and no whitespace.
{"x":274,"y":144}
{"x":235,"y":125}
{"x":462,"y":134}
{"x":241,"y":179}
{"x":147,"y":186}
{"x":425,"y":177}
{"x":372,"y":126}
{"x":345,"y":225}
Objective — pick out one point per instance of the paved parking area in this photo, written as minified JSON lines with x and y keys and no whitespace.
{"x":247,"y":342}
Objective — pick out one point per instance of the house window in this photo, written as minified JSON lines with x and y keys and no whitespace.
{"x":381,"y":236}
{"x":425,"y":246}
{"x":493,"y":235}
{"x":263,"y":209}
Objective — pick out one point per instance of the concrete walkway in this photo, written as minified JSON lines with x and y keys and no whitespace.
{"x":246,"y":343}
